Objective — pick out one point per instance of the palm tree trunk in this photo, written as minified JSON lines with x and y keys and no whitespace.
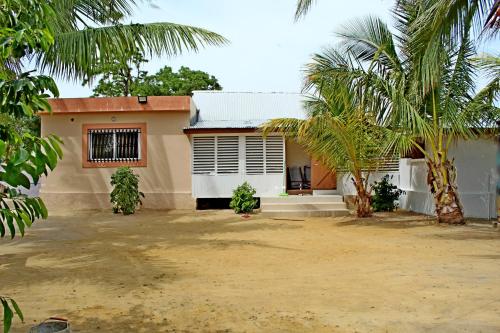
{"x":441,"y":177}
{"x":363,"y":197}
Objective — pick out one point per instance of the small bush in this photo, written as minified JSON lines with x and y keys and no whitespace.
{"x":243,"y":200}
{"x":125,"y":195}
{"x":386,"y":194}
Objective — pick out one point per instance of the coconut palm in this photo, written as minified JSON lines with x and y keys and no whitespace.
{"x":91,"y":32}
{"x":340,"y":130}
{"x":417,"y":109}
{"x":444,"y":16}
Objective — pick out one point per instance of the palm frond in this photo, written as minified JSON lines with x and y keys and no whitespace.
{"x":370,"y":39}
{"x":493,"y":19}
{"x":75,"y":53}
{"x":447,"y":20}
{"x":303,"y":6}
{"x":75,"y":13}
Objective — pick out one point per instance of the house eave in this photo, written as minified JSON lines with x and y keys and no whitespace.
{"x":193,"y":130}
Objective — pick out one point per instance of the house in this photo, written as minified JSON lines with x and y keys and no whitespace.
{"x":187,"y":149}
{"x":184,"y":149}
{"x":101,"y":134}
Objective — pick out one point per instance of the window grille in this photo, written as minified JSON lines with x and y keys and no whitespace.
{"x":114,"y":145}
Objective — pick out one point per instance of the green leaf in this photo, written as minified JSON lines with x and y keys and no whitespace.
{"x":55,"y":145}
{"x":32,"y":171}
{"x":43,"y":209}
{"x":10,"y":224}
{"x":3,"y":147}
{"x":20,"y":224}
{"x":51,"y":156}
{"x":17,"y":309}
{"x":26,"y":218}
{"x":20,"y":157}
{"x":15,"y":178}
{"x":7,"y":316}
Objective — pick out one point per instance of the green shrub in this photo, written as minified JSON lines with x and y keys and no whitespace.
{"x":386,"y":194}
{"x":125,"y":195}
{"x":243,"y":200}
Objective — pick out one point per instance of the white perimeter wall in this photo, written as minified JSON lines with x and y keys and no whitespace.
{"x":477,"y":177}
{"x":345,"y":185}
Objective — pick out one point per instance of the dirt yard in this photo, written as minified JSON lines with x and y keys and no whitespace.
{"x":216,"y":272}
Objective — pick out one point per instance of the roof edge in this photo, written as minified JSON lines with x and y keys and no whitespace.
{"x":119,"y":104}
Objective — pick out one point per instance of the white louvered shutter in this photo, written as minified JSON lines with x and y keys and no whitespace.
{"x":274,"y":155}
{"x":203,"y":155}
{"x":254,"y":155}
{"x":227,"y":154}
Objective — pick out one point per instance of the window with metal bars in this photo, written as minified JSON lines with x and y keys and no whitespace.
{"x":114,"y":145}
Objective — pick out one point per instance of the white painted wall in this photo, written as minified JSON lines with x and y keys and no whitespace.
{"x":477,"y":177}
{"x":346,"y":187}
{"x":222,"y":186}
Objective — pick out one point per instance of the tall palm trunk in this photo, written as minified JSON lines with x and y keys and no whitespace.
{"x":363,"y":197}
{"x":441,"y":177}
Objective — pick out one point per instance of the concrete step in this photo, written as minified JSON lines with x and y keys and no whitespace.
{"x":325,"y":192}
{"x":302,"y":199}
{"x":305,"y":213}
{"x":292,"y":206}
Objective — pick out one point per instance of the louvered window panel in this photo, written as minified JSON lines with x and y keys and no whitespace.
{"x":274,"y":154}
{"x":203,"y":155}
{"x":254,"y":154}
{"x":114,"y":145}
{"x":227,"y":154}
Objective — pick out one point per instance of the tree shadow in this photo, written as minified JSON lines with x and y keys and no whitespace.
{"x":390,"y":220}
{"x":470,"y":232}
{"x":106,"y":250}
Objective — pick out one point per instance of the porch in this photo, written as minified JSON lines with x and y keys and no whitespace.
{"x":286,"y":180}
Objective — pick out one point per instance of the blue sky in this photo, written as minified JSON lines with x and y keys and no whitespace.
{"x":268,"y":49}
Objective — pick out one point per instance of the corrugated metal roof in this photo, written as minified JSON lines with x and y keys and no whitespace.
{"x":220,"y":109}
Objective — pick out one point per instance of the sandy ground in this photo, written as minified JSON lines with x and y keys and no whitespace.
{"x":216,"y":272}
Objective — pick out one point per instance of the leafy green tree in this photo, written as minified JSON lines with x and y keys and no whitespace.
{"x":166,"y":82}
{"x":126,"y":78}
{"x":23,"y":31}
{"x":121,"y":77}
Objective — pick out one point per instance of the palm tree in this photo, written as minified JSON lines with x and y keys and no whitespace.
{"x":444,"y":15}
{"x":340,"y":130}
{"x":436,"y":109}
{"x":90,"y":32}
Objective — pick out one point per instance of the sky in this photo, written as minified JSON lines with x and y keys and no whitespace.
{"x":267,"y":49}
